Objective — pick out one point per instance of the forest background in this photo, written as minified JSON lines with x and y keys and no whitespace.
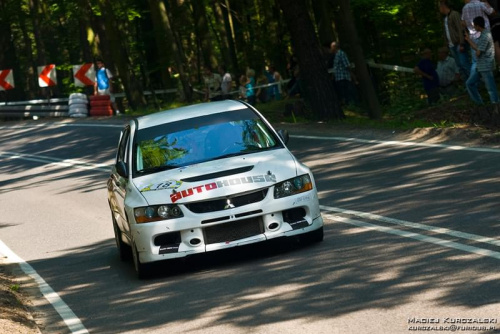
{"x":156,"y":44}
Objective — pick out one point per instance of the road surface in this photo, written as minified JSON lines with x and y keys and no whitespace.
{"x":412,"y":236}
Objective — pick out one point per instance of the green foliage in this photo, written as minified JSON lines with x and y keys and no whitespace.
{"x":391,"y":31}
{"x":15,"y":287}
{"x":159,"y":152}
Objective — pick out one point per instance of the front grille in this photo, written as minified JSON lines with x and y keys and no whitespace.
{"x":171,"y":238}
{"x":236,"y":230}
{"x":222,"y":204}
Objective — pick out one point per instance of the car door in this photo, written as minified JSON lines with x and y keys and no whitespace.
{"x":119,"y":183}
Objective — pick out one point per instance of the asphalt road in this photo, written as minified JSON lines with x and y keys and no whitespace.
{"x":422,"y":240}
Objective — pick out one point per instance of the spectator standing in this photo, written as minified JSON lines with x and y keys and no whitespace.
{"x":292,"y":69}
{"x":454,"y":38}
{"x":275,"y":77}
{"x":296,"y":88}
{"x":262,"y":93}
{"x":425,"y":68}
{"x":226,"y":83}
{"x":342,"y":74}
{"x":104,"y":84}
{"x":331,"y":58}
{"x":471,"y":10}
{"x":247,"y":89}
{"x":213,"y":83}
{"x":485,"y":53}
{"x":271,"y":90}
{"x":495,"y":34}
{"x":494,"y":4}
{"x":448,"y":73}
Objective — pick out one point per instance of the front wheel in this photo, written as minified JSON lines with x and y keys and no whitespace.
{"x":123,"y":249}
{"x":142,"y":269}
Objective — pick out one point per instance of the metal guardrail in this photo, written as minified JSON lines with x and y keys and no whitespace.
{"x":41,"y":101}
{"x":156,"y":92}
{"x":54,"y":107}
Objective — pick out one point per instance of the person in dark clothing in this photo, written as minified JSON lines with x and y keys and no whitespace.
{"x":425,"y":68}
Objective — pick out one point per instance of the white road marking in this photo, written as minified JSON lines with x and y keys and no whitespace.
{"x":60,"y":125}
{"x":74,"y":323}
{"x":401,"y":143}
{"x":344,"y":139}
{"x":69,"y":317}
{"x":79,"y":164}
{"x":416,"y":236}
{"x":440,"y":230}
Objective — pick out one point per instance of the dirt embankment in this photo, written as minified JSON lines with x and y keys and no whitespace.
{"x":15,"y":311}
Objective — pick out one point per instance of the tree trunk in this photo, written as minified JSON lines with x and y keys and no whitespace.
{"x":37,"y":31}
{"x":87,"y":35}
{"x":119,"y":55}
{"x":31,"y":70}
{"x":164,"y":49}
{"x":317,"y":86}
{"x":223,"y":36}
{"x":346,"y":21}
{"x":231,"y":36}
{"x":8,"y":56}
{"x":171,"y":44}
{"x":202,"y":32}
{"x":322,"y":12}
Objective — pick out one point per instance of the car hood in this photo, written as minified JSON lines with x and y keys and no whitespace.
{"x":218,"y":178}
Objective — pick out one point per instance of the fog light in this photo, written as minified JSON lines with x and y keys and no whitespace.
{"x":176,"y":211}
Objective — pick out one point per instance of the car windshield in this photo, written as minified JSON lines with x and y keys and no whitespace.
{"x":201,"y":139}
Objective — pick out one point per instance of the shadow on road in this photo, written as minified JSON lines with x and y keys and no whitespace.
{"x":93,"y":145}
{"x":352,"y":270}
{"x":442,"y":187}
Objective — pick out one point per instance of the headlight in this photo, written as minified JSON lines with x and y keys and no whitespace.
{"x":293,"y":186}
{"x":155,"y":213}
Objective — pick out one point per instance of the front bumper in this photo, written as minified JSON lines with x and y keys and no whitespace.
{"x":199,"y":233}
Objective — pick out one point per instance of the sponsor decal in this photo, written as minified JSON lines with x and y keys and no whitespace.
{"x":301,"y":200}
{"x":221,"y":184}
{"x":170,"y":184}
{"x":169,"y":249}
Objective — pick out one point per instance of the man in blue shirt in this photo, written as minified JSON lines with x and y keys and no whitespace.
{"x":103,"y":83}
{"x":485,"y":54}
{"x":425,"y":68}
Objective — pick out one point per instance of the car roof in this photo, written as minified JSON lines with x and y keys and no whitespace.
{"x":197,"y":110}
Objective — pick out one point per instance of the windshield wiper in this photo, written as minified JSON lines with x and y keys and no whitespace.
{"x":229,"y":155}
{"x":156,"y":169}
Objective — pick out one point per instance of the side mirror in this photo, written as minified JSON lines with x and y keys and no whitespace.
{"x":121,"y":169}
{"x":284,"y":136}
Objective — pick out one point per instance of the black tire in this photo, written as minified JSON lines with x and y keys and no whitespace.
{"x":124,"y":250}
{"x":314,"y":236}
{"x":142,"y":269}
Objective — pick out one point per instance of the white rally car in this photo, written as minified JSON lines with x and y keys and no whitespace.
{"x":207,"y":177}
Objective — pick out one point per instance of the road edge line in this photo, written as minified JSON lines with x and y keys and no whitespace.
{"x":417,"y":236}
{"x":419,"y":226}
{"x":73,"y":323}
{"x":399,"y":143}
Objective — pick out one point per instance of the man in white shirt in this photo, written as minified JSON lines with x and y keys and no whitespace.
{"x":227,"y":82}
{"x":471,"y":10}
{"x":213,"y":83}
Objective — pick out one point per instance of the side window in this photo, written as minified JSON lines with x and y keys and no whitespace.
{"x":123,"y":148}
